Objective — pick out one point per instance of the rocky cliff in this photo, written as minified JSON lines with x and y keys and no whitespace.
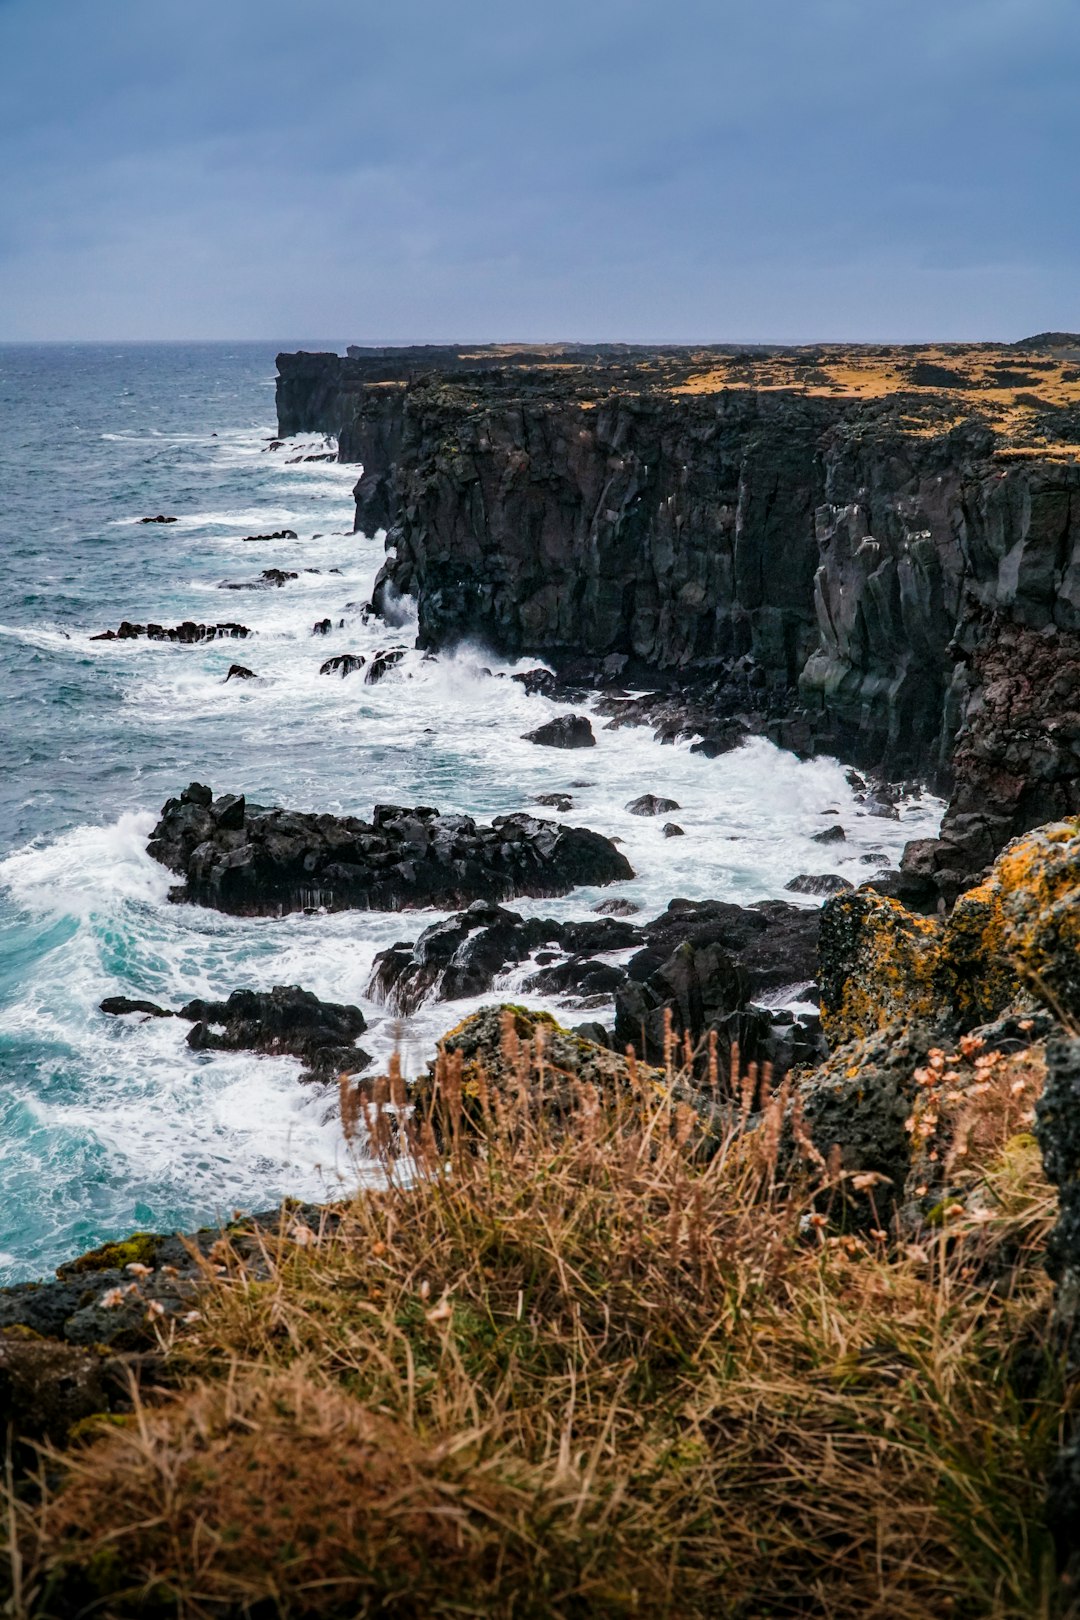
{"x":877,"y":549}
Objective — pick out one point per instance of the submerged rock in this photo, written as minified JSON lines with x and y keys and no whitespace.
{"x":818,"y":883}
{"x":253,"y":861}
{"x":120,"y":1006}
{"x":650,"y":805}
{"x":270,"y":577}
{"x":239,"y":672}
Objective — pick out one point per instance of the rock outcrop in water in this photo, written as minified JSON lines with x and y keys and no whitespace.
{"x":840,"y":548}
{"x":188,"y":633}
{"x":253,"y":861}
{"x":286,"y":1020}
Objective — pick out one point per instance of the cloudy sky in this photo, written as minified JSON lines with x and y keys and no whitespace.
{"x":495,"y":169}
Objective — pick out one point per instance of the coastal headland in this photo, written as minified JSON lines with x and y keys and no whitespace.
{"x":862,"y":550}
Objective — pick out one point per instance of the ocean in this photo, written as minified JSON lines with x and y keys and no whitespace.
{"x":110,"y":1124}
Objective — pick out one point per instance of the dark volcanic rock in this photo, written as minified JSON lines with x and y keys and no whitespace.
{"x":650,"y":805}
{"x":159,"y":519}
{"x":47,"y":1386}
{"x":458,"y":957}
{"x":240,"y":672}
{"x":565,"y":731}
{"x":382,"y":663}
{"x":278,"y":534}
{"x":343,"y":664}
{"x":831,"y":835}
{"x":538,"y":681}
{"x":117,"y":1006}
{"x":285,"y":1019}
{"x":269,"y":861}
{"x":322,"y":627}
{"x":268,"y":578}
{"x":555,"y":801}
{"x":818,"y":883}
{"x":188,"y":632}
{"x":707,"y":961}
{"x":673,"y":830}
{"x":462,"y":956}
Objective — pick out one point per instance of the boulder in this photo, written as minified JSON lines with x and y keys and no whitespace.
{"x":382,"y":663}
{"x":239,"y":672}
{"x":565,"y":731}
{"x":650,"y":805}
{"x":343,"y":664}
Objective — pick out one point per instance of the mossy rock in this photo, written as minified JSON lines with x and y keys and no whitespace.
{"x":878,"y":965}
{"x":1017,"y":932}
{"x":140,"y":1248}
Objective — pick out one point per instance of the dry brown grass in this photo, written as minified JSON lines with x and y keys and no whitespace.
{"x":596,"y":1366}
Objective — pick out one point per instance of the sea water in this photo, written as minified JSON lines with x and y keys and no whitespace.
{"x":110,"y":1124}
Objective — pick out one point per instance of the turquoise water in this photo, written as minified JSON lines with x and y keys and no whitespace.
{"x":108,"y":1124}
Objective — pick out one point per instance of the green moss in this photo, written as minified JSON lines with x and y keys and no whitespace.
{"x":140,"y":1248}
{"x":89,"y":1428}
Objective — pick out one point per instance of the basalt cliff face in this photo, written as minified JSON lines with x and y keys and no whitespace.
{"x":875,"y":551}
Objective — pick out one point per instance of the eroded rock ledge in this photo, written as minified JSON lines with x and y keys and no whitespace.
{"x":253,"y":861}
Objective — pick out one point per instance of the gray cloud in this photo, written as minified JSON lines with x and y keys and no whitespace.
{"x":794,"y":168}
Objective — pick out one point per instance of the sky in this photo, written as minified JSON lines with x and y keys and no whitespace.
{"x":468,"y":170}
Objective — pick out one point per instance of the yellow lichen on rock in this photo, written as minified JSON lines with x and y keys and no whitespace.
{"x":878,"y":965}
{"x":976,"y":980}
{"x":1016,"y":932}
{"x":1039,"y":880}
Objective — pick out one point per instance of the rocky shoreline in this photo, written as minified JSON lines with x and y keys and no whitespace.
{"x":853,"y":576}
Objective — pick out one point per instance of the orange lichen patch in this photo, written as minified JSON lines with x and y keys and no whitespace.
{"x":890,"y":971}
{"x":1003,"y":387}
{"x":974,"y":973}
{"x":1039,"y":880}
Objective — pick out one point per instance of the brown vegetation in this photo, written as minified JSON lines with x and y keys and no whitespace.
{"x":596,"y":1362}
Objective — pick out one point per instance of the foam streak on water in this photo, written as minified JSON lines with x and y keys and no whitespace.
{"x":114,"y":1123}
